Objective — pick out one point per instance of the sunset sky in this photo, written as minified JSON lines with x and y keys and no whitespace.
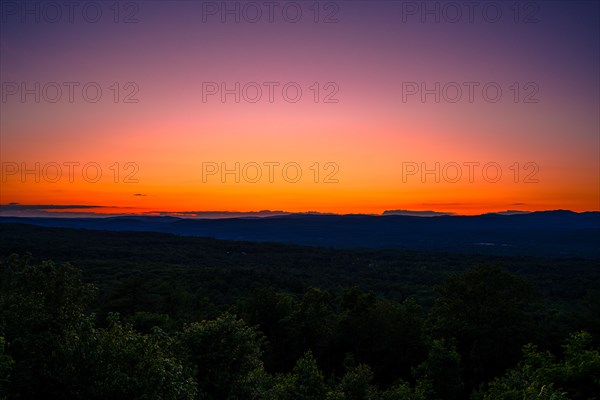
{"x":360,"y":134}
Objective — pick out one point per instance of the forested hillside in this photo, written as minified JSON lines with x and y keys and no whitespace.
{"x":156,"y":316}
{"x":558,"y":233}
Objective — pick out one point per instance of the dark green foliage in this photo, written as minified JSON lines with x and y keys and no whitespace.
{"x":153,"y":272}
{"x":59,"y":353}
{"x":305,"y":382}
{"x":488,"y":312}
{"x":383,"y":334}
{"x":284,"y":322}
{"x":6,"y":363}
{"x":541,"y":376}
{"x":312,"y":324}
{"x":272,"y":313}
{"x":356,"y":384}
{"x":589,"y":315}
{"x":441,"y":370}
{"x":40,"y":306}
{"x":145,"y":321}
{"x":225,"y":354}
{"x":403,"y":391}
{"x":121,"y":363}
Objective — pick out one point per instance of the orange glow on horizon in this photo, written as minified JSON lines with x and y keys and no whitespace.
{"x":360,"y":141}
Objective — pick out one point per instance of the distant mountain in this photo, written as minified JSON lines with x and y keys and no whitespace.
{"x":416,"y":213}
{"x":512,"y":212}
{"x":550,"y":233}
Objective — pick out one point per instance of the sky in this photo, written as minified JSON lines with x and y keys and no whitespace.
{"x":183,"y":107}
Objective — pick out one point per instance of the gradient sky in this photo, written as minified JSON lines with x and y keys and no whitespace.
{"x":368,"y":52}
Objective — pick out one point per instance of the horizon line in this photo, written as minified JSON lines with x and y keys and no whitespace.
{"x":64,"y":211}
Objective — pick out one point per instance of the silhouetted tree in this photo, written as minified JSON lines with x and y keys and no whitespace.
{"x":305,"y":382}
{"x":383,"y":334}
{"x":120,"y":363}
{"x":487,"y":311}
{"x":442,"y":370}
{"x":226,"y":354}
{"x":541,"y":376}
{"x":40,"y":305}
{"x":5,"y":367}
